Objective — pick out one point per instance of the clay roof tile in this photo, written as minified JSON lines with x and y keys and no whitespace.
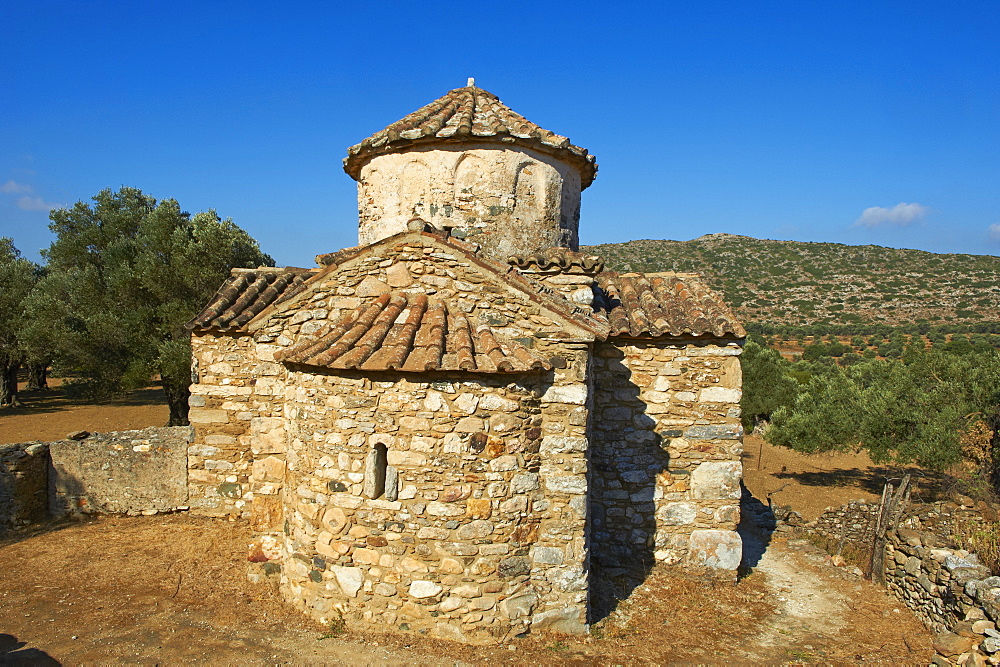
{"x":465,"y":114}
{"x":410,"y":332}
{"x":246,"y":293}
{"x":655,"y":305}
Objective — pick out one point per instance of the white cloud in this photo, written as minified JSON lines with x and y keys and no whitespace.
{"x":899,"y":215}
{"x":12,"y":188}
{"x":35,"y":204}
{"x":993,"y":231}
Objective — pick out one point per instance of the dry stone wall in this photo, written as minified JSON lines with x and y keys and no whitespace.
{"x":122,"y":472}
{"x":24,"y":473}
{"x":947,"y":587}
{"x":666,"y":457}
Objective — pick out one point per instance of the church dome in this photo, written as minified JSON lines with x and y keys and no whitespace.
{"x":463,"y":115}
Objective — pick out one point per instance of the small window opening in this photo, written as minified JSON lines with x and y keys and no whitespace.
{"x":375,"y":470}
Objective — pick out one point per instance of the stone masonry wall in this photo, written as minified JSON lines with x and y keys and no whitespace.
{"x":236,"y":409}
{"x":666,"y":458}
{"x":486,"y":534}
{"x":481,"y":530}
{"x":509,"y":200}
{"x":24,"y":473}
{"x":947,"y":587}
{"x":852,"y":523}
{"x":121,"y":472}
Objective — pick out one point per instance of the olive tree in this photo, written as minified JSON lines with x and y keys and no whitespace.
{"x":125,"y":274}
{"x":17,"y":278}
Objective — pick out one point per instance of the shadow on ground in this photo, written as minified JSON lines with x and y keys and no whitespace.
{"x":14,"y":652}
{"x":757,"y":524}
{"x":871,"y":479}
{"x":58,"y":398}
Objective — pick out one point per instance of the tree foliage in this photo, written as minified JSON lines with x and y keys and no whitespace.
{"x":766,"y":383}
{"x":124,"y":275}
{"x":17,"y":279}
{"x":913,"y":410}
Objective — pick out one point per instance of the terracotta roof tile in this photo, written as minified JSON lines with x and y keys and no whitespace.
{"x":558,"y":259}
{"x":246,"y":293}
{"x":399,"y":331}
{"x":654,"y":305}
{"x":467,"y":114}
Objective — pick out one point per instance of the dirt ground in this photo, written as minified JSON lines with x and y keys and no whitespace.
{"x":50,"y":415}
{"x":172,"y":588}
{"x":810,"y":483}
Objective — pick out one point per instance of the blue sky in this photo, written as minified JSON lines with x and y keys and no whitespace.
{"x":869,"y":122}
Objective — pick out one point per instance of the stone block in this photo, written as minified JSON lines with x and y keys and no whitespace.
{"x":479,"y":508}
{"x":715,"y":549}
{"x":267,"y":514}
{"x":716,"y":480}
{"x":714,"y":432}
{"x":573,"y":484}
{"x":350,"y":579}
{"x":567,"y":620}
{"x":720,"y":395}
{"x":559,"y":444}
{"x":475,"y":530}
{"x":524,"y":482}
{"x":574,"y":394}
{"x":547,"y":555}
{"x":207,"y":416}
{"x":677,"y":514}
{"x":519,"y":606}
{"x":269,"y":469}
{"x":424,"y":589}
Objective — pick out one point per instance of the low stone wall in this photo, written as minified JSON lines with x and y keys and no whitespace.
{"x":946,"y":587}
{"x":24,"y":472}
{"x":853,"y":522}
{"x":124,"y":472}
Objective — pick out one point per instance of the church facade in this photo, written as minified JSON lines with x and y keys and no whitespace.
{"x":465,"y":426}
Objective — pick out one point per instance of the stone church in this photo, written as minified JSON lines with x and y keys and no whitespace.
{"x":464,"y":426}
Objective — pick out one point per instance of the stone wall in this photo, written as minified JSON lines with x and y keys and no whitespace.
{"x":123,"y":472}
{"x":949,"y":589}
{"x":509,"y":200}
{"x":850,"y":523}
{"x":480,"y":531}
{"x":24,"y":473}
{"x":236,"y":410}
{"x":666,"y":458}
{"x":945,"y":586}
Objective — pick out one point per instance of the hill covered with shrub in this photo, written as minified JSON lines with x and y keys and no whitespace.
{"x":827,"y":285}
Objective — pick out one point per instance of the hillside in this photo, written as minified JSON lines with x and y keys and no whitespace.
{"x":796,"y":283}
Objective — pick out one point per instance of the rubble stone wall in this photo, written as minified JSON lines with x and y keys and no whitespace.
{"x":510,"y":200}
{"x":850,"y":523}
{"x":480,"y":530}
{"x":666,"y":456}
{"x":24,"y":474}
{"x":945,"y":586}
{"x":236,"y":411}
{"x":121,"y":472}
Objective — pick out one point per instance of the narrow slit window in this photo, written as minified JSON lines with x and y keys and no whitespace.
{"x":375,"y":471}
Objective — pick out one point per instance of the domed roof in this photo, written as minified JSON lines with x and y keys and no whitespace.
{"x":465,"y":115}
